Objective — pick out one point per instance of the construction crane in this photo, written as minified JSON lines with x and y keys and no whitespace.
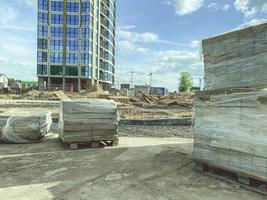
{"x":140,"y":73}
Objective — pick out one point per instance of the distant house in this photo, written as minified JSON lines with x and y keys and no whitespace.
{"x":125,"y":86}
{"x":3,"y":81}
{"x":160,"y":91}
{"x":193,"y":89}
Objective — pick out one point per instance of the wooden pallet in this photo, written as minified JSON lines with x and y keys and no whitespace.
{"x":91,"y":144}
{"x":247,"y":181}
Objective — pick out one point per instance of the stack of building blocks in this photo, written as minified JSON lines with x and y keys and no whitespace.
{"x":231,"y":114}
{"x":89,"y":122}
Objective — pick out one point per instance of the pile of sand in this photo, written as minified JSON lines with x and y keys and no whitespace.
{"x":45,"y":96}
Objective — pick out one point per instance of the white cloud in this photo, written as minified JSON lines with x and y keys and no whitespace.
{"x":127,"y":47}
{"x":251,"y":7}
{"x":215,"y":6}
{"x":27,"y":2}
{"x":195,"y":43}
{"x":183,"y":7}
{"x":126,"y":27}
{"x":253,"y":22}
{"x":226,"y":7}
{"x":137,"y":37}
{"x":137,"y":54}
{"x":164,"y":65}
{"x":7,"y":15}
{"x":176,"y":61}
{"x":3,"y":60}
{"x":124,"y":34}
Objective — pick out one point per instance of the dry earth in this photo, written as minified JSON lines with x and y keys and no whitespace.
{"x":156,"y":131}
{"x":140,"y":168}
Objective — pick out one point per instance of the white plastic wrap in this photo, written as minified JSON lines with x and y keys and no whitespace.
{"x":90,"y":120}
{"x":30,"y":128}
{"x":236,"y":59}
{"x":231,"y":132}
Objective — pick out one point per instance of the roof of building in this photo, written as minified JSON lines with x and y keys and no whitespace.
{"x":3,"y":75}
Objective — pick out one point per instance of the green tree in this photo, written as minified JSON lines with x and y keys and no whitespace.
{"x":186,"y":82}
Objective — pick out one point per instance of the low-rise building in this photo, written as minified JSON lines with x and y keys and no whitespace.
{"x":125,"y":86}
{"x":160,"y":91}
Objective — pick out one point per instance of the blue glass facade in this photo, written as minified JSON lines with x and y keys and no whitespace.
{"x":76,"y":39}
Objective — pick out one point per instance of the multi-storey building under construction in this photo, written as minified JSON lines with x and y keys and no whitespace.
{"x":76,"y":44}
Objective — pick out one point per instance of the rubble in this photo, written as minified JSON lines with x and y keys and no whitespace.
{"x":39,"y":95}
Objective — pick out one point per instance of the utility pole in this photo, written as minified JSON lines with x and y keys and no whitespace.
{"x":132,"y":76}
{"x":150,"y":76}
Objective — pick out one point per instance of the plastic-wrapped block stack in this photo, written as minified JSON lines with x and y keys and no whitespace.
{"x":231,"y":114}
{"x":3,"y":120}
{"x":30,"y":128}
{"x":237,"y":59}
{"x":91,"y":120}
{"x":231,"y":131}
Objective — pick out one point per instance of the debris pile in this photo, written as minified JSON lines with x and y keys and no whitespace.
{"x":45,"y":96}
{"x":93,"y":92}
{"x":182,"y":100}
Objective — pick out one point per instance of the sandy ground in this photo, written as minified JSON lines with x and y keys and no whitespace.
{"x":140,"y":168}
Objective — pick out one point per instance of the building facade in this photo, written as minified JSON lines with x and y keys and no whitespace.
{"x":76,"y":44}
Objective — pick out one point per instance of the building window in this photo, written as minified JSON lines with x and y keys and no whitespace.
{"x":73,"y":7}
{"x":42,"y":44}
{"x":42,"y":18}
{"x":43,"y":4}
{"x":85,"y":32}
{"x":72,"y":58}
{"x":86,"y":45}
{"x":42,"y":31}
{"x":72,"y":32}
{"x":106,"y":55}
{"x":41,"y":69}
{"x":56,"y":19}
{"x":72,"y":20}
{"x":71,"y":71}
{"x":56,"y":6}
{"x":72,"y":45}
{"x":86,"y":71}
{"x":106,"y":76}
{"x":56,"y":44}
{"x":85,"y":20}
{"x":41,"y":56}
{"x":56,"y":57}
{"x":85,"y":58}
{"x":56,"y":70}
{"x":56,"y":32}
{"x":86,"y":7}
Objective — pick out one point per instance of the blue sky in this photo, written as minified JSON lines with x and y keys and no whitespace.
{"x":153,"y":36}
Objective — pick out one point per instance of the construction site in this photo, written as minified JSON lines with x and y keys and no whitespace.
{"x":207,"y":144}
{"x":67,"y":139}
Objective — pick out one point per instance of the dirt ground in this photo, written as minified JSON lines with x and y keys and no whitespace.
{"x":156,"y":131}
{"x":139,"y":168}
{"x":135,"y":112}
